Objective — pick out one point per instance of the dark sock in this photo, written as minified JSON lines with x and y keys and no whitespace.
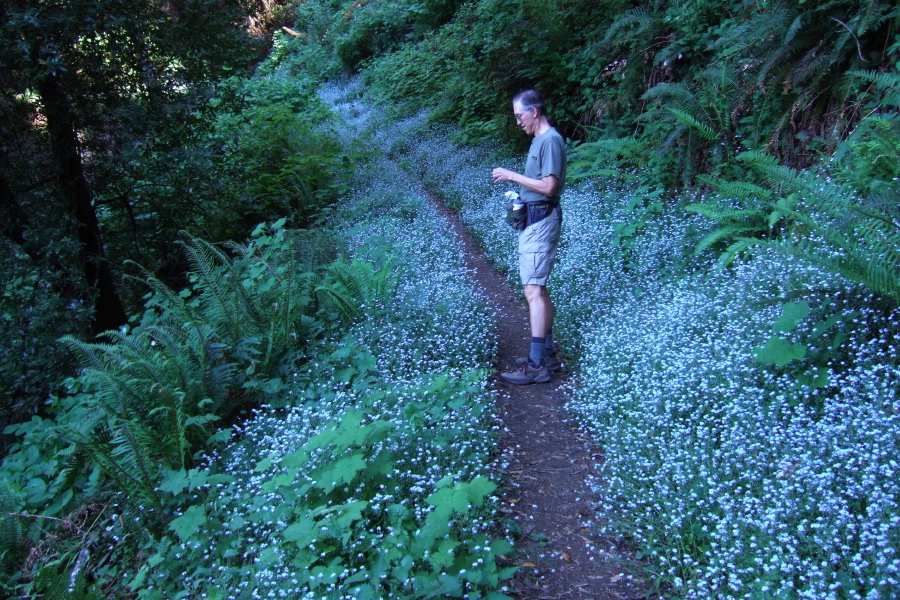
{"x":537,"y":351}
{"x":548,"y":344}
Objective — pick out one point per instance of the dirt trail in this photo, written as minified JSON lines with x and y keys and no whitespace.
{"x":546,"y":492}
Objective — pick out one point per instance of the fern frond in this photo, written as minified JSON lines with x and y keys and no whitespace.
{"x":98,"y":444}
{"x":739,"y":190}
{"x":763,"y":26}
{"x":11,"y":530}
{"x":343,"y":287}
{"x":639,"y":18}
{"x":216,"y":285}
{"x":626,"y":147}
{"x":815,"y":65}
{"x":724,"y":214}
{"x":721,"y":233}
{"x":797,"y":23}
{"x":351,"y":277}
{"x":702,"y":129}
{"x":676,"y":92}
{"x":875,"y":274}
{"x":349,"y":286}
{"x":835,"y":229}
{"x":329,"y":296}
{"x":887,"y":83}
{"x":779,"y":56}
{"x":384,"y":281}
{"x":734,"y":250}
{"x":169,"y":301}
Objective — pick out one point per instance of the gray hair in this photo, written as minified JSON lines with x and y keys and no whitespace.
{"x":529,"y":99}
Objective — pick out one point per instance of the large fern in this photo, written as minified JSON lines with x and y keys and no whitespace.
{"x":348,"y":287}
{"x":752,"y":216}
{"x":837,"y":229}
{"x":629,"y":26}
{"x":154,"y":393}
{"x":702,"y":107}
{"x":826,"y":223}
{"x":606,"y":157}
{"x":157,"y":391}
{"x":800,"y":51}
{"x":870,"y":157}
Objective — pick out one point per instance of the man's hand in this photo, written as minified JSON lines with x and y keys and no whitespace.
{"x":546,"y":186}
{"x":501,"y":175}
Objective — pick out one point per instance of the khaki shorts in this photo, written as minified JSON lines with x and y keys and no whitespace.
{"x":537,"y":249}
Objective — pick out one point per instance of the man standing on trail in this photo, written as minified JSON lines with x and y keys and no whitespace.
{"x":539,"y":188}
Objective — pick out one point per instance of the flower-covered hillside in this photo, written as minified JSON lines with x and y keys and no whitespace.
{"x":749,"y":416}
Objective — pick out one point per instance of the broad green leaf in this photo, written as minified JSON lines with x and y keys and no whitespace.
{"x":300,"y":532}
{"x":816,"y":379}
{"x":346,"y":468}
{"x":174,"y":482}
{"x":186,"y":525}
{"x":345,"y":514}
{"x":779,"y":352}
{"x":791,"y":315}
{"x":295,"y":459}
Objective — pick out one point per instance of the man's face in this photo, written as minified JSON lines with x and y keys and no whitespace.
{"x":525,"y":119}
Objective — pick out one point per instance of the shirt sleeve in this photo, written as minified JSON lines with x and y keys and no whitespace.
{"x":553,"y":158}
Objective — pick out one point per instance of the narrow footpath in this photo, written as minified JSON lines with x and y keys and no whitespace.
{"x":546,"y":493}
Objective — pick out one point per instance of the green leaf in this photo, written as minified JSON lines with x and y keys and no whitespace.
{"x":779,"y":352}
{"x":823,"y":326}
{"x":345,"y":514}
{"x":300,"y":532}
{"x":174,"y":482}
{"x":501,"y":546}
{"x":187,"y":524}
{"x":59,"y":503}
{"x":444,"y":556}
{"x":346,"y":468}
{"x":295,"y":459}
{"x":462,"y":494}
{"x":791,"y":315}
{"x":343,"y":470}
{"x":816,"y":379}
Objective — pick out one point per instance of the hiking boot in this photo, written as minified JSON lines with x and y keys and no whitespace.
{"x":551,"y":363}
{"x":526,"y":373}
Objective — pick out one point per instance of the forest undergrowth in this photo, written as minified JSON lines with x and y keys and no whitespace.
{"x":748,"y":415}
{"x":367,"y":467}
{"x":297,"y":405}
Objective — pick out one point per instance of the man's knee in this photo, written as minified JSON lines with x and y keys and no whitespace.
{"x":534,"y":292}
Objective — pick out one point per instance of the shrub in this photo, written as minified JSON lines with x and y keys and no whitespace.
{"x":34,"y":312}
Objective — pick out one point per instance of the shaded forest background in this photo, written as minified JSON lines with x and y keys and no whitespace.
{"x":131,"y":130}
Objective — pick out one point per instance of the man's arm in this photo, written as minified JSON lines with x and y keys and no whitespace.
{"x":546,"y":186}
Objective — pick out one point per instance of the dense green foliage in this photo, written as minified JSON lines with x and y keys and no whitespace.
{"x":84,"y":85}
{"x":302,"y":410}
{"x":192,"y":148}
{"x":300,"y":335}
{"x":682,"y":87}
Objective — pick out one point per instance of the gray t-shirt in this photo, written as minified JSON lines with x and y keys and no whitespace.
{"x":547,"y":156}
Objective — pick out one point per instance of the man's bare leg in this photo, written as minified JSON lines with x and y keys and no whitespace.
{"x":540,"y":312}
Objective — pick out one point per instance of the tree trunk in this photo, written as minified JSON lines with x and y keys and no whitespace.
{"x":109,"y":313}
{"x":14,"y":220}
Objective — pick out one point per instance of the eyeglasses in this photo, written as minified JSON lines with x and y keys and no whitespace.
{"x":519,"y":116}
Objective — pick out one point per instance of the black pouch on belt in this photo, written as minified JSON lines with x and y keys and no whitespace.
{"x":516,"y":217}
{"x":538,"y":211}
